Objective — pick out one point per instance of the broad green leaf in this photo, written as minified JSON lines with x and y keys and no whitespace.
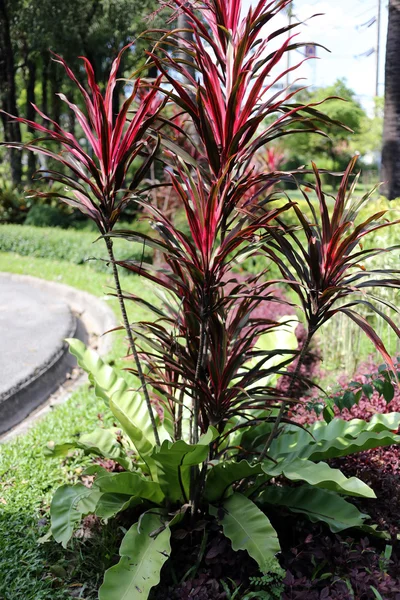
{"x":143,"y":556}
{"x":249,"y":529}
{"x":388,"y":391}
{"x":127,"y":406}
{"x":255,"y":436}
{"x":316,"y":504}
{"x":53,"y":450}
{"x":68,"y":506}
{"x":110,"y":504}
{"x":327,"y":449}
{"x":103,"y":377}
{"x":224,"y":474}
{"x":341,"y":428}
{"x":173,"y":462}
{"x":338,"y":438}
{"x":102,"y":442}
{"x":130,"y":484}
{"x":95,"y":470}
{"x":320,"y":475}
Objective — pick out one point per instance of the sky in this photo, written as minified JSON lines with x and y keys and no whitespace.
{"x":341,"y":29}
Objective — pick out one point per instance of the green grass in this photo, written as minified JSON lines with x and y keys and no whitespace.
{"x":28,"y":570}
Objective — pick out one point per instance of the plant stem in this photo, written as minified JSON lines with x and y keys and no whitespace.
{"x":196,"y":402}
{"x":131,"y":340}
{"x":178,"y":422}
{"x":290,"y":391}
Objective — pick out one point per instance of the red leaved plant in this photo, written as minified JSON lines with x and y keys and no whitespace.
{"x":228,"y":205}
{"x":326,"y":270}
{"x":96,"y":181}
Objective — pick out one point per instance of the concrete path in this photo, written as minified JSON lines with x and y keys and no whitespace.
{"x":35,"y":318}
{"x":33,"y":327}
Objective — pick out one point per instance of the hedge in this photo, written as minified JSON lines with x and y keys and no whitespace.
{"x":76,"y":247}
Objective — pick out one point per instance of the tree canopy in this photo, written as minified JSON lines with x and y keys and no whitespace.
{"x":97,"y":29}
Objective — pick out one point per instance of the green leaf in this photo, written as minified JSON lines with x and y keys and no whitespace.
{"x":179,"y":151}
{"x":173,"y":462}
{"x":348,"y":400}
{"x":249,"y":529}
{"x":224,"y":474}
{"x":388,"y":391}
{"x":130,"y":484}
{"x":337,"y":438}
{"x":102,"y":442}
{"x":368,"y":390}
{"x":111,"y":504}
{"x":282,"y":337}
{"x":53,"y":450}
{"x":316,"y":504}
{"x":255,"y":436}
{"x":127,"y":406}
{"x":68,"y":506}
{"x":379,"y":386}
{"x":328,"y":413}
{"x":320,"y":475}
{"x":326,"y":449}
{"x":143,"y":556}
{"x":103,"y":377}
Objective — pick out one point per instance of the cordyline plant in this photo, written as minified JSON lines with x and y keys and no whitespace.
{"x":96,"y":178}
{"x":211,"y":364}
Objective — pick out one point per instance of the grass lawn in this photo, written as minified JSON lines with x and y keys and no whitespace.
{"x":29,"y":570}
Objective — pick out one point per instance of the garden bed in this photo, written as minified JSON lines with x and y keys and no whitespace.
{"x":319,"y":564}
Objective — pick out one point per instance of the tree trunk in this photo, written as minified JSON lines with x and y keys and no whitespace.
{"x":390,"y":174}
{"x":30,"y":111}
{"x":45,"y":84}
{"x":45,"y":97}
{"x":55,"y":85}
{"x":71,"y":115}
{"x":8,"y":100}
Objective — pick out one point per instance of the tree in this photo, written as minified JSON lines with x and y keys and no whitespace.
{"x":97,"y":29}
{"x":8,"y":94}
{"x":369,"y":139}
{"x":391,"y":129}
{"x":335,"y":147}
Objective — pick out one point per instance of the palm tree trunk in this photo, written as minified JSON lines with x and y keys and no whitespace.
{"x":30,"y":111}
{"x":8,"y":94}
{"x":390,"y":173}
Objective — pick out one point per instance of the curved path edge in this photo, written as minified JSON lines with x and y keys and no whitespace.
{"x":55,"y":382}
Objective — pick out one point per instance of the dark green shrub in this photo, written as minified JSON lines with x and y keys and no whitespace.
{"x":43,"y":215}
{"x":13,"y":204}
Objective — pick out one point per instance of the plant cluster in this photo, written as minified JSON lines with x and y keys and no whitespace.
{"x":208,"y":434}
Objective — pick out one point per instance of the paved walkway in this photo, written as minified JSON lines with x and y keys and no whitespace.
{"x":35,"y":318}
{"x":34,"y":323}
{"x":33,"y":326}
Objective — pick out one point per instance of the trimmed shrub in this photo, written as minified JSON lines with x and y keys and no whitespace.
{"x":43,"y":215}
{"x":75,"y":247}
